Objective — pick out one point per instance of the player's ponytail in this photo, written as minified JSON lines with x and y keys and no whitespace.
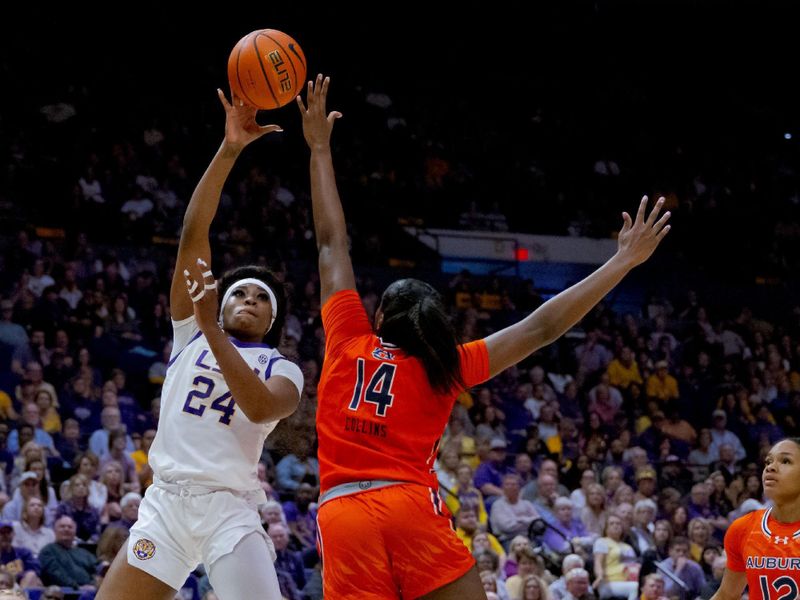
{"x":415,"y":320}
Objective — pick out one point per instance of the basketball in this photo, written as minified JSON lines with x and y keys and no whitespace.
{"x":266,"y":69}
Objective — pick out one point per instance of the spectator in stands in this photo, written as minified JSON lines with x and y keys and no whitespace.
{"x":467,"y":526}
{"x":578,"y":585}
{"x":76,"y":505}
{"x":674,"y":474}
{"x":88,"y":465}
{"x":533,"y":588}
{"x":684,"y":568}
{"x":489,"y":474}
{"x":646,"y":483}
{"x":286,"y":559}
{"x":64,"y":563}
{"x":517,"y":544}
{"x":297,"y":467}
{"x":13,"y":335}
{"x":699,"y":536}
{"x":568,"y":533}
{"x":445,"y":467}
{"x":624,"y":370}
{"x":68,"y":441}
{"x":526,"y":566}
{"x":30,"y":416}
{"x":110,"y":542}
{"x":547,"y":467}
{"x":51,"y":421}
{"x":464,"y":493}
{"x":511,"y":515}
{"x":301,"y":516}
{"x":30,"y":486}
{"x":679,"y":430}
{"x":116,"y":452}
{"x":661,"y":384}
{"x":712,"y":585}
{"x":272,"y":512}
{"x":111,"y":479}
{"x":129,"y":511}
{"x":143,"y":470}
{"x":111,"y":420}
{"x":653,"y":587}
{"x":16,"y":559}
{"x":616,"y":568}
{"x":481,"y":542}
{"x":641,"y":532}
{"x":592,"y":356}
{"x":558,"y":589}
{"x":701,"y":457}
{"x":30,"y":531}
{"x":578,"y":495}
{"x":700,"y":506}
{"x":594,"y":513}
{"x":721,"y":435}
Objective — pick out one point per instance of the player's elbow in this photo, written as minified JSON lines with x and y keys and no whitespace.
{"x":273,"y":410}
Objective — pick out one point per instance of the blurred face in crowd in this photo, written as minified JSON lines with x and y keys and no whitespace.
{"x":467,"y":520}
{"x":653,"y":588}
{"x":679,"y":550}
{"x":484,"y":562}
{"x":34,"y":510}
{"x":279,"y":535}
{"x":65,"y":531}
{"x":130,"y":512}
{"x":481,"y":542}
{"x":614,"y":527}
{"x":511,"y":487}
{"x":564,"y":513}
{"x":533,"y":590}
{"x":578,"y":585}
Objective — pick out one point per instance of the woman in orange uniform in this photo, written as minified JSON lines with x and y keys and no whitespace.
{"x":763,"y":547}
{"x":386,"y":391}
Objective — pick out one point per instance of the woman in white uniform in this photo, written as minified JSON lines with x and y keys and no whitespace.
{"x":225,"y":390}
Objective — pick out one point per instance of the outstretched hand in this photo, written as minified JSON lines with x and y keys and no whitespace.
{"x":317,"y":124}
{"x":241,"y":127}
{"x":639,"y":238}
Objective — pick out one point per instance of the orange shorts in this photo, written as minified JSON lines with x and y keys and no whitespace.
{"x":392,"y":542}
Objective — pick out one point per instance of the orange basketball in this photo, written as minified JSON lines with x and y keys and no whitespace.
{"x":266,"y":69}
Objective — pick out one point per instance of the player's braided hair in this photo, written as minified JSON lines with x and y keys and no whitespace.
{"x":415,"y":320}
{"x":273,"y":336}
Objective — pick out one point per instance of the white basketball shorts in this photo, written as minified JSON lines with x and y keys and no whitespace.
{"x":177,"y":531}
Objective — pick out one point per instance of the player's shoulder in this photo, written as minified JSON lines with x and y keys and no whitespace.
{"x":748,"y":522}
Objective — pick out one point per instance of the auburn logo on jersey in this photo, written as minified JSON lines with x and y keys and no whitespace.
{"x":382,"y":354}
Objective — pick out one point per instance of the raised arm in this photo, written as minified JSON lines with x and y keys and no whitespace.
{"x":335,"y":266}
{"x":241,"y":128}
{"x":636,"y":242}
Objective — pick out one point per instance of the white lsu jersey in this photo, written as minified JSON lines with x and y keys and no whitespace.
{"x":203,"y":438}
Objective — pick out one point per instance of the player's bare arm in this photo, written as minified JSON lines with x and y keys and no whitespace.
{"x":637,"y":241}
{"x":335,"y":266}
{"x":241,"y":128}
{"x":732,"y":586}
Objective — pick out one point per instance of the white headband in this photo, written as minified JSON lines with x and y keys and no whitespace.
{"x":257,"y":282}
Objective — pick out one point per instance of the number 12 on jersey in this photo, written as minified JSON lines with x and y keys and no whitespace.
{"x":378,"y":390}
{"x":784,"y":588}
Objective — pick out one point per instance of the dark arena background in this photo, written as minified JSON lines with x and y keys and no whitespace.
{"x":488,"y":148}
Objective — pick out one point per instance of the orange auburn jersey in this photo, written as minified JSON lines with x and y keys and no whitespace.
{"x":377,"y":415}
{"x":768,"y":552}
